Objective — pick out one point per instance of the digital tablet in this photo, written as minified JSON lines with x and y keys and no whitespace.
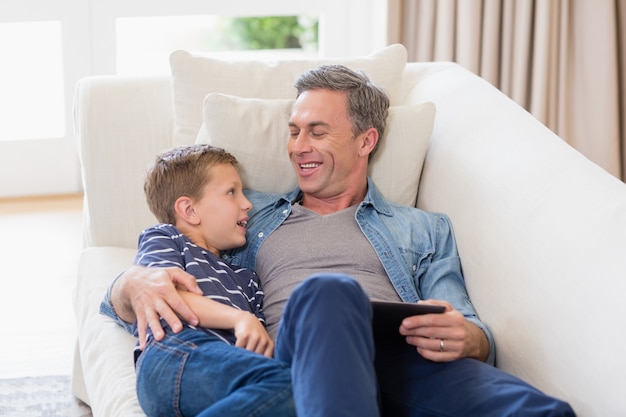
{"x":387,"y":317}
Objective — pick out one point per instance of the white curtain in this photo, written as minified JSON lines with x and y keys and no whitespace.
{"x":563,"y":60}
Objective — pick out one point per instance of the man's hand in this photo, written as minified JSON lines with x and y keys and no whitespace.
{"x":445,"y":337}
{"x":147,"y":294}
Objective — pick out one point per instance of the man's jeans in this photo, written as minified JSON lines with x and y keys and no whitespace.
{"x":326,"y":336}
{"x":413,"y":386}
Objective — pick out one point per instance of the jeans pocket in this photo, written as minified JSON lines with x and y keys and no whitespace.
{"x":159,"y":371}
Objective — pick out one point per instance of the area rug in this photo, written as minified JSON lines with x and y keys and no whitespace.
{"x":47,"y":396}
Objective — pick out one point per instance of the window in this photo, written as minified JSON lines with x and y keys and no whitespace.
{"x":48,"y":45}
{"x":144,"y":43}
{"x":31,"y":81}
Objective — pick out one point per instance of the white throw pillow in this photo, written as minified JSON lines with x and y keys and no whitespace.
{"x":193,"y":77}
{"x":256,"y":132}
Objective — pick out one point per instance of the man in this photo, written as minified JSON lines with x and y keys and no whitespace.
{"x":337,"y":221}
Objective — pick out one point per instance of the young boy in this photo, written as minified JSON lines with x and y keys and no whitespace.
{"x":222,"y":367}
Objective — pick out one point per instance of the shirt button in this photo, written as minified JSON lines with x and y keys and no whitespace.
{"x":260,"y":234}
{"x":285,"y":211}
{"x":414,"y":267}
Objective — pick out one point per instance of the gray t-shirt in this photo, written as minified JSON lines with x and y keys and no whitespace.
{"x":307,"y":243}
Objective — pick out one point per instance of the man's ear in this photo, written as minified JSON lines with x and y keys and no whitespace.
{"x":185,"y":210}
{"x":370,"y":139}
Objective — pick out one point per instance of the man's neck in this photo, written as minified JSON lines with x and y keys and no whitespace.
{"x":325,"y":206}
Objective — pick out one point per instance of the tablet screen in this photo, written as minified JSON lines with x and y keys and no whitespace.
{"x":387,"y":317}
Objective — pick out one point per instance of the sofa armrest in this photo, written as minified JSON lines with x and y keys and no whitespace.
{"x":542,"y":236}
{"x":122,"y":123}
{"x":105,"y":349}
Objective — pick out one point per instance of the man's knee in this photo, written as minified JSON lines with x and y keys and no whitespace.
{"x":323,"y":296}
{"x":330,"y":286}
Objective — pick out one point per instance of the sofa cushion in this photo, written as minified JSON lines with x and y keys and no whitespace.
{"x":193,"y":77}
{"x":241,"y":124}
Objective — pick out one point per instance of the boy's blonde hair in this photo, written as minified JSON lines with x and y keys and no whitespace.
{"x":182,"y":171}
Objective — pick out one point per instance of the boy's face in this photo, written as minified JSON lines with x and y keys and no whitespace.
{"x":222,"y":211}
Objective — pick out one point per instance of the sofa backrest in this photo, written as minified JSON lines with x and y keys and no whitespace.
{"x":123,"y":123}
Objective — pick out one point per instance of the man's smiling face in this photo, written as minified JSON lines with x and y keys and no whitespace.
{"x":322,"y":147}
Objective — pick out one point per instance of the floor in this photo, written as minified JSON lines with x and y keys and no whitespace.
{"x":40,"y":246}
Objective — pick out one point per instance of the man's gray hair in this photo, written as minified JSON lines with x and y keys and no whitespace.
{"x":368,"y":104}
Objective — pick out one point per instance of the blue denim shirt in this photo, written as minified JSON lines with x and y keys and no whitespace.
{"x":416,"y":248}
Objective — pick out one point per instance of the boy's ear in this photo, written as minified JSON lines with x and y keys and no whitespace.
{"x":185,"y":210}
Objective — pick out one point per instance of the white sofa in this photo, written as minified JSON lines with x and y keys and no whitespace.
{"x":541,"y":230}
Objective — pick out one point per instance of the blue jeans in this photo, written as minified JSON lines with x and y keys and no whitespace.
{"x":326,"y":336}
{"x":325,"y":342}
{"x":413,"y":386}
{"x":195,"y":374}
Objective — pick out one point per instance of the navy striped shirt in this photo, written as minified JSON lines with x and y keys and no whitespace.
{"x":164,"y":245}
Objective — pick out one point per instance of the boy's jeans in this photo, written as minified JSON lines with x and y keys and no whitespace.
{"x":324,"y":341}
{"x":196,"y":374}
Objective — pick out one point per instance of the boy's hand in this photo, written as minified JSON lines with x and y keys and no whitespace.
{"x":251,"y":335}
